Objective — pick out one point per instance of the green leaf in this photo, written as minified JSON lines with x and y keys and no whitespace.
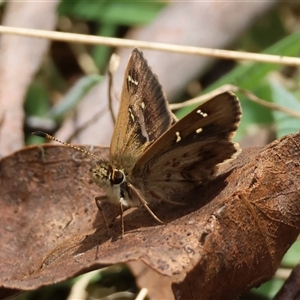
{"x":131,"y":13}
{"x":134,"y":13}
{"x":285,"y":123}
{"x":291,"y":258}
{"x":269,"y":289}
{"x":37,"y":101}
{"x":101,"y":54}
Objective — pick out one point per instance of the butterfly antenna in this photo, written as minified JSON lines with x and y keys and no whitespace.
{"x":50,"y":137}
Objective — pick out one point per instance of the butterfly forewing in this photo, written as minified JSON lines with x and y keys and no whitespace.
{"x":187,"y":154}
{"x":143,"y":115}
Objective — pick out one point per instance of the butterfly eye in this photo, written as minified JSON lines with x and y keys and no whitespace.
{"x":117,"y":177}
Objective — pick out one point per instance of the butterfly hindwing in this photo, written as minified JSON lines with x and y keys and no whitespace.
{"x":188,"y":152}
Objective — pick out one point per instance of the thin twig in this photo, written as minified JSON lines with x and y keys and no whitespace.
{"x":113,"y":65}
{"x":116,"y":42}
{"x":142,"y":294}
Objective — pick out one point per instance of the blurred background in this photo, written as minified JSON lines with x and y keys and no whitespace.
{"x":62,"y":88}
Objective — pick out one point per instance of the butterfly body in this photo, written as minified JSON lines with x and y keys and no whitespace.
{"x":154,"y":158}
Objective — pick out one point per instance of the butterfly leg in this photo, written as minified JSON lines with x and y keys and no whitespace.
{"x":144,"y":203}
{"x":98,"y":200}
{"x":122,"y":219}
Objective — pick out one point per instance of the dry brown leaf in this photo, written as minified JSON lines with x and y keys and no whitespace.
{"x":231,"y":236}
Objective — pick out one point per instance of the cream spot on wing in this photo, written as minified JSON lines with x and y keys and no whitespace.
{"x":178,"y":137}
{"x":131,"y":114}
{"x":143,"y":105}
{"x":199,"y":130}
{"x":130,"y":79}
{"x":203,"y":114}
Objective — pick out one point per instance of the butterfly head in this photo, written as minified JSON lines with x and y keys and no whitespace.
{"x":110,"y":180}
{"x":104,"y":175}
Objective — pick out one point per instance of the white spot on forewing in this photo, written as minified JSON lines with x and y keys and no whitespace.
{"x":130,"y":79}
{"x":143,"y":105}
{"x":203,"y":114}
{"x":141,"y":123}
{"x":178,"y":137}
{"x":131,"y":114}
{"x":198,"y":130}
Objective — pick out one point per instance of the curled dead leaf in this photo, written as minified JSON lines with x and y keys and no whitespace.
{"x":229,"y":237}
